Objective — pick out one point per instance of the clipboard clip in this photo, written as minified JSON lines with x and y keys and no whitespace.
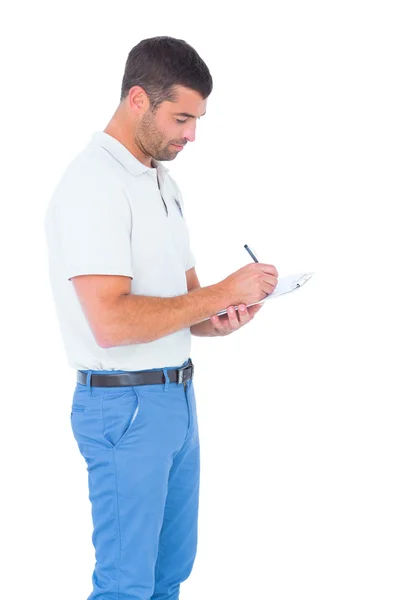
{"x":303,"y":280}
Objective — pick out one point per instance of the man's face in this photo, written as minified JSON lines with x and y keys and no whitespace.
{"x":164,"y":133}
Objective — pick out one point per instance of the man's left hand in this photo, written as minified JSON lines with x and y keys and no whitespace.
{"x":234,"y":319}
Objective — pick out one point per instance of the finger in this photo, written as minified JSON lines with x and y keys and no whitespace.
{"x":269,"y":285}
{"x":268,"y":269}
{"x":270,"y":280}
{"x":215,"y":321}
{"x":244,"y":316}
{"x":233,"y":317}
{"x":220,"y":323}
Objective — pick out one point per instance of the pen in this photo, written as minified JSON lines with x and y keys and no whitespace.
{"x":251,"y":253}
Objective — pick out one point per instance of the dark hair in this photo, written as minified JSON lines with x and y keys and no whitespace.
{"x":159,"y":64}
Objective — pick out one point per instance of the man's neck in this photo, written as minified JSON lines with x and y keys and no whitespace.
{"x":118,"y":132}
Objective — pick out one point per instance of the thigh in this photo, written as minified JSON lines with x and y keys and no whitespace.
{"x":128,"y":437}
{"x":178,"y":539}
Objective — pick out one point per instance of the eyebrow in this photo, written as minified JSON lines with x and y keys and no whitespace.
{"x":183,"y":114}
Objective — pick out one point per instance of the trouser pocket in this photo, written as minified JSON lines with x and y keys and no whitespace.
{"x":119,"y":412}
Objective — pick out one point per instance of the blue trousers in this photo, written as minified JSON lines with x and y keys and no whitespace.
{"x":141,"y":447}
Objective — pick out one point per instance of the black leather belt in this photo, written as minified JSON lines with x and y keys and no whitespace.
{"x":138,"y":377}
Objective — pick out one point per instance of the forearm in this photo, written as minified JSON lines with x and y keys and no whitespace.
{"x":134,"y":319}
{"x":204,"y":329}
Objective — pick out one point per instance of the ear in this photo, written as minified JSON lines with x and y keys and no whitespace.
{"x":138,"y":99}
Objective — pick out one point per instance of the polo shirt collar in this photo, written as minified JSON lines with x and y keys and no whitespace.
{"x":126,"y":158}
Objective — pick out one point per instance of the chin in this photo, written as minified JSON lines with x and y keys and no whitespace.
{"x":169,"y":156}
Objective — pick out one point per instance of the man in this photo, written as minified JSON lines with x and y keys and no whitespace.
{"x":128,"y":299}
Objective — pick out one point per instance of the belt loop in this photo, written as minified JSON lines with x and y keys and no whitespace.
{"x":167,"y":379}
{"x":89,"y":382}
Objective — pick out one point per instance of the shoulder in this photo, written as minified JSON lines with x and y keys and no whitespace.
{"x":89,"y":180}
{"x":90,"y":169}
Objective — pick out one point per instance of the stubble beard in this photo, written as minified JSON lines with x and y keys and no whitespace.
{"x":151,"y":141}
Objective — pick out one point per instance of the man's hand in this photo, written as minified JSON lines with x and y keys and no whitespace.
{"x":234,"y":319}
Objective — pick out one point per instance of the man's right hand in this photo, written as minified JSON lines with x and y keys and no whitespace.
{"x":249,"y":284}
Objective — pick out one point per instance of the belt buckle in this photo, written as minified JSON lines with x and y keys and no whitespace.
{"x":180,"y":375}
{"x":189,"y":368}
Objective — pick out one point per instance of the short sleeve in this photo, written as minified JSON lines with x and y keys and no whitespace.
{"x":190,"y":259}
{"x":93,"y":224}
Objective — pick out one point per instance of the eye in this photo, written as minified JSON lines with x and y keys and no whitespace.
{"x":180,"y":121}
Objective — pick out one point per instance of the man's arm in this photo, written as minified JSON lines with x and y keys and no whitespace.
{"x":206,"y":328}
{"x":119,"y":318}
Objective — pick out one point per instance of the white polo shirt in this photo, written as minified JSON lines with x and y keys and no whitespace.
{"x":107,"y":216}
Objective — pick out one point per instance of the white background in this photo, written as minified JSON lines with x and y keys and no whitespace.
{"x":298,"y":156}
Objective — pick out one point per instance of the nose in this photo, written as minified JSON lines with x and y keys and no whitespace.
{"x":190,"y":132}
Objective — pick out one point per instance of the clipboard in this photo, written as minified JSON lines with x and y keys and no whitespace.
{"x":285,"y":285}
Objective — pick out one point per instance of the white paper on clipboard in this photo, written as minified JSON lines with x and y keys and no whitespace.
{"x":286,"y":284}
